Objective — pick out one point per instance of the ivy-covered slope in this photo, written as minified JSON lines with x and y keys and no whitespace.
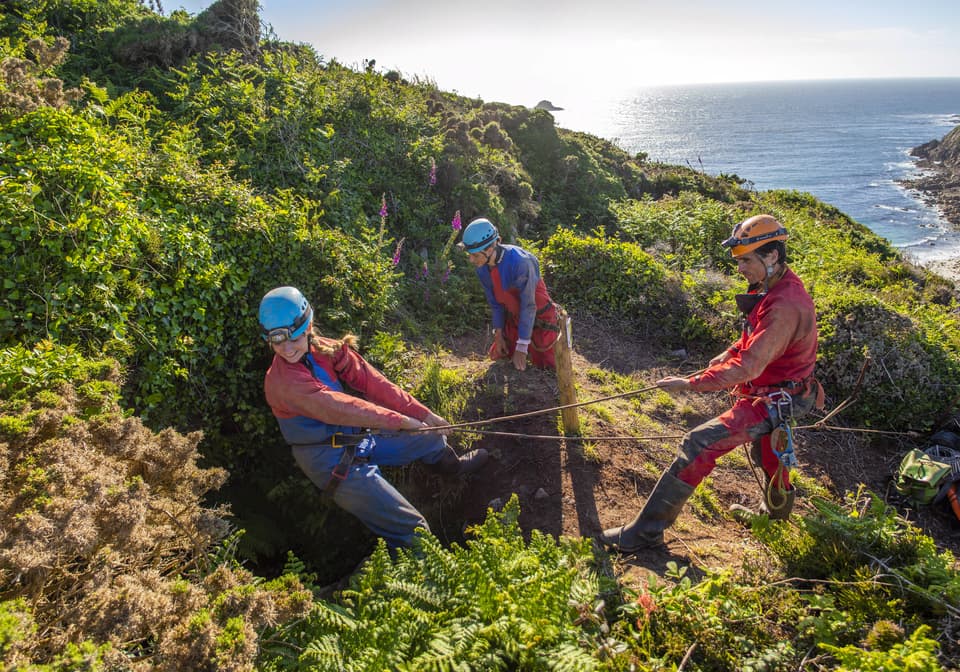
{"x":143,"y":221}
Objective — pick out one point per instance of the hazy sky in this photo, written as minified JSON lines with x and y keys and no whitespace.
{"x":521,"y":51}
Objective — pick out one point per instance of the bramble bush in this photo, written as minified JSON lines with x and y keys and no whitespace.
{"x":683,"y":232}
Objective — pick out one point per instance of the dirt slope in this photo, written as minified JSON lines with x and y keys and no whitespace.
{"x":579,"y":488}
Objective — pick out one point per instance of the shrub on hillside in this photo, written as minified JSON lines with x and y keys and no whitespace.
{"x":685,"y":232}
{"x":105,"y":542}
{"x":911,"y":380}
{"x":604,"y":276}
{"x":161,"y":263}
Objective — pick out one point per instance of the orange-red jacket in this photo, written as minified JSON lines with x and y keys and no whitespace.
{"x":310,"y":403}
{"x":778,"y":344}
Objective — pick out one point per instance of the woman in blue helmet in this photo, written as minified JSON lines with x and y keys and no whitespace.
{"x":525,"y":320}
{"x":338,"y":439}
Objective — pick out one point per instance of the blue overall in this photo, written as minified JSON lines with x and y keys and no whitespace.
{"x":365,"y":492}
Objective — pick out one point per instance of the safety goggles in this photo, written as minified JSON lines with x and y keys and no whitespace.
{"x":281,"y":334}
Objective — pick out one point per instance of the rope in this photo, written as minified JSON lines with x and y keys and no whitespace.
{"x":753,"y":468}
{"x":833,"y":428}
{"x":820,"y":425}
{"x":552,"y":437}
{"x":528,"y":414}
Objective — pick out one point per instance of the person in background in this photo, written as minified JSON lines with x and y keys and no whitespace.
{"x":770,"y":370}
{"x":340,"y":440}
{"x":525,"y":320}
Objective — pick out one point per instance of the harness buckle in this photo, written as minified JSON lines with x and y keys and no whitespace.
{"x":342,"y":470}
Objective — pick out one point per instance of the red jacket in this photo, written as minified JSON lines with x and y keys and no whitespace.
{"x":309,"y":407}
{"x":779,"y":343}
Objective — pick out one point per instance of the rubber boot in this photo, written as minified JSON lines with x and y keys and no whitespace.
{"x":778,"y":504}
{"x":452,"y":464}
{"x":646,"y":531}
{"x":781,"y":509}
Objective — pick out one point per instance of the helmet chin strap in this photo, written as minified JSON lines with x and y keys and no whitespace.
{"x":774,"y":272}
{"x":747,"y":302}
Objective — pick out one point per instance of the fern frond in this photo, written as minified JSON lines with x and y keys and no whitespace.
{"x":330,"y":617}
{"x":323,"y":652}
{"x":567,"y":657}
{"x":424,"y":596}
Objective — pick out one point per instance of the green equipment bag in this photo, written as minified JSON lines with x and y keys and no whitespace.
{"x":921,"y":477}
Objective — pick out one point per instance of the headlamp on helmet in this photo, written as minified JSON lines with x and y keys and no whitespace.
{"x":754,"y":232}
{"x":284,"y":315}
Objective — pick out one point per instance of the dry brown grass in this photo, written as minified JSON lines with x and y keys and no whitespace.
{"x":105,"y":538}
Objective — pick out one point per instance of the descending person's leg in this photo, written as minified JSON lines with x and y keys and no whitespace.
{"x":779,"y":495}
{"x":430,"y":448}
{"x":370,"y":497}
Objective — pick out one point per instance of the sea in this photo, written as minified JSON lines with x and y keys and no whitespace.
{"x":847,"y":142}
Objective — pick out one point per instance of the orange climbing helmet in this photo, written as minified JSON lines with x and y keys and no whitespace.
{"x":754,"y":232}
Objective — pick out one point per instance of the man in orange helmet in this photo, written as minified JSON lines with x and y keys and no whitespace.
{"x":770,"y":370}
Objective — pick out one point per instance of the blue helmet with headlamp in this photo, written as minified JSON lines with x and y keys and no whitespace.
{"x":285,"y":314}
{"x":479,"y":235}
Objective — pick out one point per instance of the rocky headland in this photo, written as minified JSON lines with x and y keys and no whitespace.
{"x":939,"y":185}
{"x":547,"y":105}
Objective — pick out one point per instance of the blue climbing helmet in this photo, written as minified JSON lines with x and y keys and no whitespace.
{"x":479,"y":235}
{"x":284,"y":314}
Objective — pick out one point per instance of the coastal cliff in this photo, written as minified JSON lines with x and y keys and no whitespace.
{"x":939,"y":184}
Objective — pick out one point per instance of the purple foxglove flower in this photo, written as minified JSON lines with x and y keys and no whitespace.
{"x":456,"y":221}
{"x":396,"y":252}
{"x":383,"y":206}
{"x":433,"y":172}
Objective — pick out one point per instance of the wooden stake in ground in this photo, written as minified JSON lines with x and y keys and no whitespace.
{"x":564,"y":363}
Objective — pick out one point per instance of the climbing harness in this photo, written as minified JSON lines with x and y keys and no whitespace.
{"x":781,"y":439}
{"x":540,"y":323}
{"x":356,"y":448}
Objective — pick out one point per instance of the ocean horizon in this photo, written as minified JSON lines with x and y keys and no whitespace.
{"x":847,"y":142}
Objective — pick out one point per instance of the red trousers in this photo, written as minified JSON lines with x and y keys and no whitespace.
{"x":747,"y":421}
{"x":540,"y":351}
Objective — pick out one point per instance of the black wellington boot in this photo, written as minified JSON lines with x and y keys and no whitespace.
{"x":457,"y":465}
{"x":778,"y":504}
{"x":646,"y":531}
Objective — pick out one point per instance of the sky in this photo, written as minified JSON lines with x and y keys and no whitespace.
{"x":524,"y":51}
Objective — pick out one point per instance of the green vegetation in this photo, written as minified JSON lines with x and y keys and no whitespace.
{"x":164,"y":173}
{"x":499,"y":603}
